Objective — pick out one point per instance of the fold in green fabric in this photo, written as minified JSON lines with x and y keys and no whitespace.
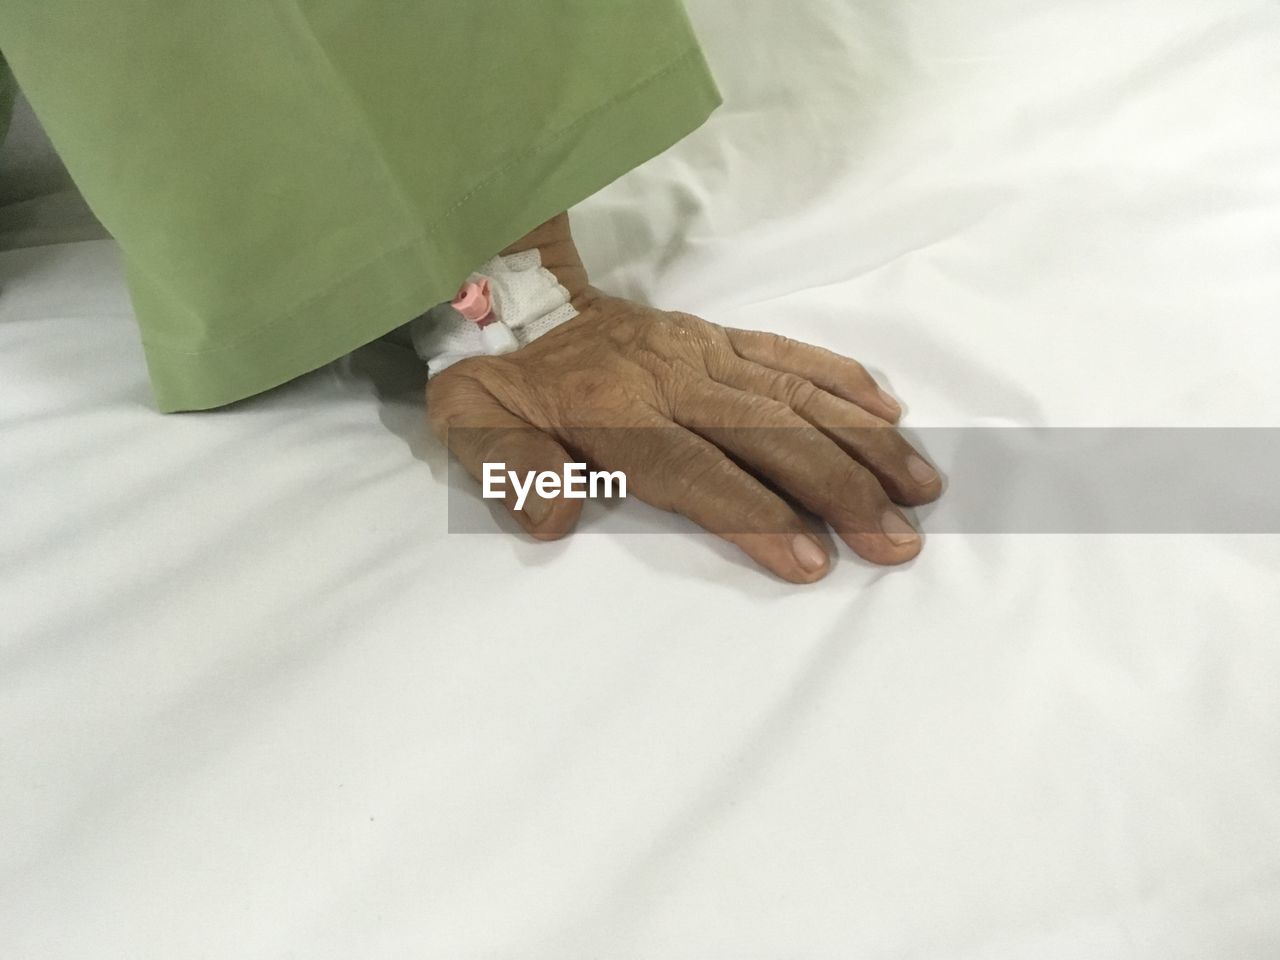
{"x":290,"y":179}
{"x":7,"y":91}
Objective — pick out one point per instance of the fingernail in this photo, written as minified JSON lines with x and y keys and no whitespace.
{"x":808,"y":554}
{"x":891,"y":403}
{"x":920,"y":471}
{"x":895,"y":527}
{"x":537,"y":509}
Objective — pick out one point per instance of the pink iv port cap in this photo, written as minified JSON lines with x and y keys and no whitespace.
{"x":474,"y":300}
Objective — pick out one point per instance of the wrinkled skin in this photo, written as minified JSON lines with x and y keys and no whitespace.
{"x":705,"y":421}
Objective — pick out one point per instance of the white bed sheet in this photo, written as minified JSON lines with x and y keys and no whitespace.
{"x":256,"y":702}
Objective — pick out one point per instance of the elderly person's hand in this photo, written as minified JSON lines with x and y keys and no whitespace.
{"x":703,"y":420}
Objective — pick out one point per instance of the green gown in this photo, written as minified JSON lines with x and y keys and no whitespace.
{"x":290,"y":179}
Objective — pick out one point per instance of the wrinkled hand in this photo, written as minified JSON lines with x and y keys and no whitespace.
{"x":703,"y":420}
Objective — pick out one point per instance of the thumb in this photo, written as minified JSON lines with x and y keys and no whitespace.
{"x":479,"y":430}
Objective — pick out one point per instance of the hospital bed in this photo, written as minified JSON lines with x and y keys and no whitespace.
{"x":257,"y":700}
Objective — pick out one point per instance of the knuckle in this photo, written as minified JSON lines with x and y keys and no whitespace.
{"x":896,"y":445}
{"x":719,"y":361}
{"x":882,"y":446}
{"x":662,"y":333}
{"x":854,"y":487}
{"x":687,"y":320}
{"x":700,"y":468}
{"x":765,"y":514}
{"x":619,"y":331}
{"x":778,"y":346}
{"x":853,"y":369}
{"x":873,"y":440}
{"x":656,"y":336}
{"x":490,"y":444}
{"x":770,"y":410}
{"x":683,"y":334}
{"x":695,"y":471}
{"x":795,"y":391}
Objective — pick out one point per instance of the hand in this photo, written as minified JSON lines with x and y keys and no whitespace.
{"x":702,"y":420}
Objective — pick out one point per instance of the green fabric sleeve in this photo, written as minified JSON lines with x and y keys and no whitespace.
{"x":290,"y":179}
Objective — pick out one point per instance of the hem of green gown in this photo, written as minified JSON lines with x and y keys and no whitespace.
{"x":393,"y":286}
